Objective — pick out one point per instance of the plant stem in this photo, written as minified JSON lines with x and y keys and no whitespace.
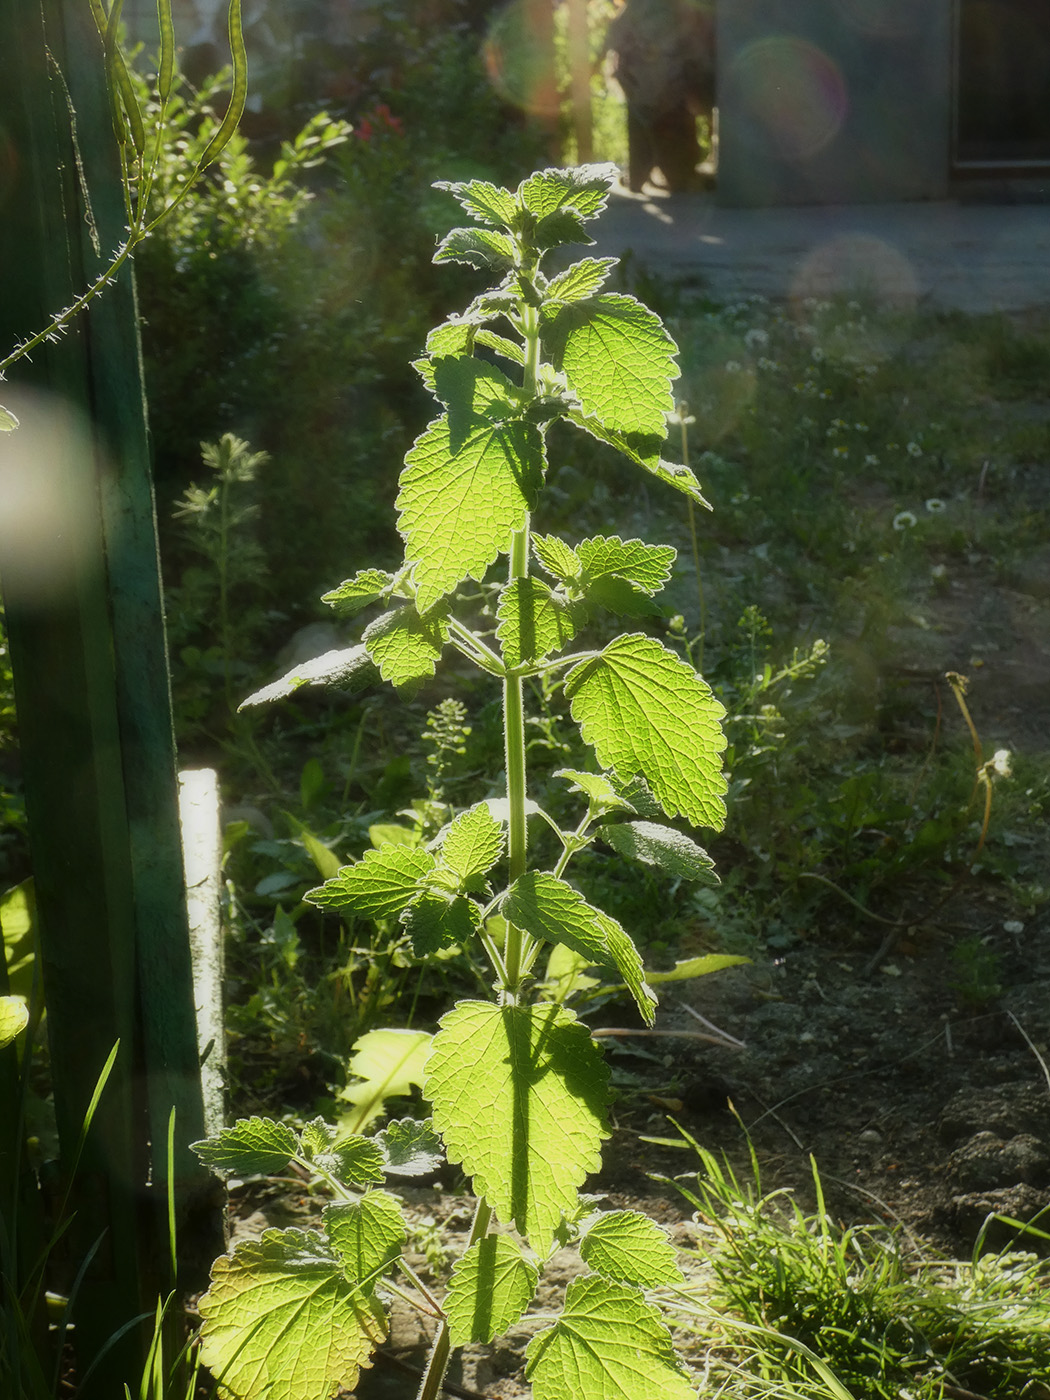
{"x":441,"y":1348}
{"x":514,"y":740}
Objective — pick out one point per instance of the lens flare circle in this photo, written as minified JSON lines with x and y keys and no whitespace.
{"x":789,"y":92}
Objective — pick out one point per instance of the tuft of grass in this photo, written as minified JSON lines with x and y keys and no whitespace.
{"x":801,"y":1305}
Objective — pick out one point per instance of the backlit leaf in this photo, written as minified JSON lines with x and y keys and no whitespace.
{"x":552,"y":910}
{"x":697,"y":967}
{"x":470,"y":389}
{"x":581,"y":280}
{"x":14,"y":1017}
{"x":490,"y":1288}
{"x":410,"y":1147}
{"x":478,"y":247}
{"x":355,"y":1161}
{"x":381,"y":884}
{"x":317,"y":1136}
{"x":644,"y":450}
{"x":345,"y":667}
{"x":473,"y":843}
{"x":619,"y":361}
{"x":629,"y":1247}
{"x":458,"y":509}
{"x":482,"y":200}
{"x":435,"y":921}
{"x":598,"y":790}
{"x":608,"y":1344}
{"x":584,"y":188}
{"x":645,"y":711}
{"x":502,"y":346}
{"x":556,"y":556}
{"x":8,"y":421}
{"x":251,"y":1147}
{"x":562,"y":226}
{"x":386,"y":1065}
{"x":533,"y":622}
{"x":519,"y":1096}
{"x":646,"y":565}
{"x":280,"y":1321}
{"x":355,"y":593}
{"x":366,"y":1234}
{"x":405,"y":646}
{"x":662,"y":846}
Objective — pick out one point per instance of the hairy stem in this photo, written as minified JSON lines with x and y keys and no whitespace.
{"x":441,"y":1349}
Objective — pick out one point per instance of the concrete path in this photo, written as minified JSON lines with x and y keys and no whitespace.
{"x":974,"y":257}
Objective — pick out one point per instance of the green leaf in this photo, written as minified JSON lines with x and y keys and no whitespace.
{"x":502,"y":346}
{"x":533,"y":622}
{"x":644,"y":450}
{"x":280,"y":1320}
{"x":645,"y":711}
{"x":355,"y":593}
{"x":355,"y":1161}
{"x":647,"y":566}
{"x":477,"y":247}
{"x":562,"y":226}
{"x":8,"y":421}
{"x":557,"y":557}
{"x":519,"y":1096}
{"x":410,"y":1148}
{"x":566,"y":974}
{"x":608,"y":1344}
{"x":251,"y":1147}
{"x":366,"y":1234}
{"x":696,"y":967}
{"x":490,"y":1288}
{"x":381,"y":884}
{"x":598,"y":790}
{"x":662,"y":846}
{"x":619,"y":361}
{"x":405,"y":646}
{"x":345,"y":667}
{"x":437,"y":920}
{"x":452,"y":337}
{"x":14,"y":1017}
{"x":472,"y":845}
{"x":473,"y":389}
{"x":549,"y":909}
{"x":581,"y":280}
{"x":584,"y":188}
{"x":483,"y":201}
{"x":459,"y":508}
{"x":316,"y":1137}
{"x":386,"y":1065}
{"x":628,"y":1247}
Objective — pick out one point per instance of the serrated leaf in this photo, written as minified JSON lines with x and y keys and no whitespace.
{"x":549,"y":909}
{"x":345,"y":667}
{"x":644,"y":450}
{"x":697,"y":967}
{"x":280,"y":1321}
{"x":250,"y":1147}
{"x":584,"y":188}
{"x":619,"y":361}
{"x":381,"y":884}
{"x":410,"y":1147}
{"x":355,"y":593}
{"x":490,"y":1288}
{"x":435,"y":921}
{"x":14,"y":1017}
{"x":560,"y":227}
{"x":387,"y":1064}
{"x":648,"y":566}
{"x":366,"y":1234}
{"x":661,"y":846}
{"x":452,"y":337}
{"x":556,"y":556}
{"x":502,"y":346}
{"x":646,"y":711}
{"x":472,"y":390}
{"x":519,"y":1096}
{"x":533,"y":622}
{"x":405,"y":646}
{"x":473,"y":843}
{"x":482,"y":248}
{"x":317,"y":1136}
{"x":566,"y":973}
{"x":581,"y":280}
{"x":621,"y":597}
{"x":355,"y":1161}
{"x":458,"y":509}
{"x":482,"y":200}
{"x":608,"y":1344}
{"x":628,"y":1247}
{"x":598,"y":790}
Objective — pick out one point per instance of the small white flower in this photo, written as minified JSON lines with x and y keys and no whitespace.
{"x":913,"y":449}
{"x":757,"y":339}
{"x":840,"y":451}
{"x":733,"y":366}
{"x":904,"y":520}
{"x":935,"y":505}
{"x":871,"y":460}
{"x":1000,"y":763}
{"x":817,"y":353}
{"x":860,"y":427}
{"x":939,"y":571}
{"x":1014,"y":926}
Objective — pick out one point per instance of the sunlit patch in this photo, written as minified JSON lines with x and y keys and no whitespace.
{"x":857,"y":263}
{"x":517,"y":60}
{"x":789,"y":92}
{"x":48,"y":499}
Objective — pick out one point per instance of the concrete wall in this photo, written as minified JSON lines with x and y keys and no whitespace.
{"x":833,"y":101}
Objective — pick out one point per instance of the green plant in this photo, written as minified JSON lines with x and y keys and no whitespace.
{"x":518,"y":1088}
{"x":858,"y":1313}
